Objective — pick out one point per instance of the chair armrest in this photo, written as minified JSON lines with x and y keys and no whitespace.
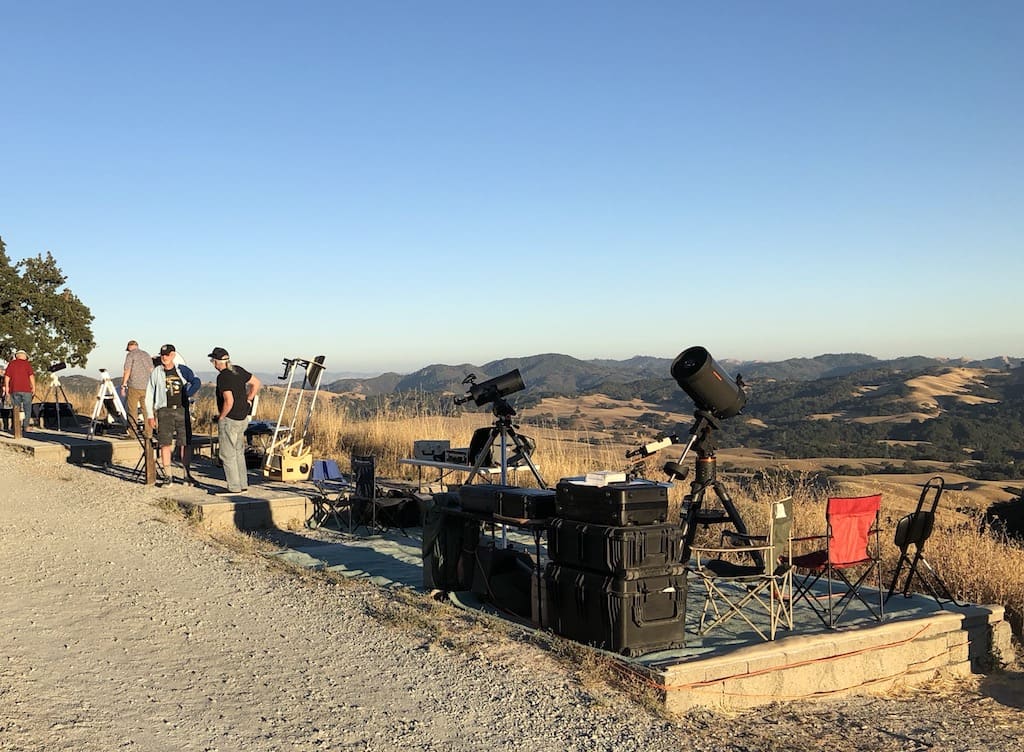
{"x":745,"y":537}
{"x":809,"y":538}
{"x":728,"y":549}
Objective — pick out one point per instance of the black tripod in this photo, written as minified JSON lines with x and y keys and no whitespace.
{"x":503,"y":431}
{"x":60,"y":398}
{"x":692,"y":512}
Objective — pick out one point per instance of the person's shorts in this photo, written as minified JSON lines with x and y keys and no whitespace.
{"x":170,"y":423}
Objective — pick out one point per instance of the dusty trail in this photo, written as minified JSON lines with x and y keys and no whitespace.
{"x":120,"y":628}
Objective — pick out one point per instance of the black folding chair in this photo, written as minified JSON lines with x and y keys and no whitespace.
{"x":914,"y":530}
{"x":377,"y":509}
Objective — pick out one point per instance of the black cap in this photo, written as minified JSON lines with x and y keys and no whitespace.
{"x":219,"y":353}
{"x":167,"y":349}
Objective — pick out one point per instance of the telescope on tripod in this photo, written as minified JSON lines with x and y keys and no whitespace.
{"x":716,"y":398}
{"x":493,"y":392}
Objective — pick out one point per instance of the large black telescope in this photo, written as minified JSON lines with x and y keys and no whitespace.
{"x":707,"y":384}
{"x":492,"y":389}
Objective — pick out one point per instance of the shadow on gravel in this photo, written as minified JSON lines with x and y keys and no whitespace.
{"x":1006,"y":688}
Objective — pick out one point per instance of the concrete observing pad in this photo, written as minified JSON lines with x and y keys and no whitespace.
{"x":730,"y":668}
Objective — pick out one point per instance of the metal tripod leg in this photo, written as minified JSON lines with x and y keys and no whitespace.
{"x":694,"y":516}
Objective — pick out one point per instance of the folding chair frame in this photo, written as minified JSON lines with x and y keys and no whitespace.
{"x":824,"y":563}
{"x":367,"y":492}
{"x":914,"y":530}
{"x":773,"y":577}
{"x":328,"y":501}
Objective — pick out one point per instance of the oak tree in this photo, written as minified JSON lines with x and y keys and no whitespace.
{"x":40,"y":315}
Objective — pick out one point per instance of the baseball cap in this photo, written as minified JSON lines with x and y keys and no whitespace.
{"x":167,"y":349}
{"x":129,"y":345}
{"x":20,"y":352}
{"x":218,"y":353}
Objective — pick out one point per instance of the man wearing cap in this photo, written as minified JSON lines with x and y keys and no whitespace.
{"x":20,"y":384}
{"x":138,"y":365}
{"x":167,"y":393}
{"x":236,"y":389}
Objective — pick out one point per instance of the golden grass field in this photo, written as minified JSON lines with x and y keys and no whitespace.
{"x":978,"y":566}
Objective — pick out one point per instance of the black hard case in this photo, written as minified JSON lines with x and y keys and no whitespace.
{"x":631,"y":617}
{"x":527,"y":503}
{"x":508,"y":501}
{"x":614,"y":550}
{"x":481,"y":497}
{"x":638,"y":502}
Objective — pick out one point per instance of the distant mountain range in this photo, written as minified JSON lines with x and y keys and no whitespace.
{"x":556,"y":374}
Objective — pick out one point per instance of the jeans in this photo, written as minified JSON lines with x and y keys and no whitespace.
{"x":231,"y":437}
{"x":24,"y":401}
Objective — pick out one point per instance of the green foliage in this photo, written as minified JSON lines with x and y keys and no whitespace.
{"x":39,"y":314}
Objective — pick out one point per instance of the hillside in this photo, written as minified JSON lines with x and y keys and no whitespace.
{"x":969,"y":414}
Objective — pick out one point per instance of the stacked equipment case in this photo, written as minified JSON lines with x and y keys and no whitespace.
{"x":615,"y":579}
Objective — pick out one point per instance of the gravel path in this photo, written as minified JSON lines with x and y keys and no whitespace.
{"x":122,"y":628}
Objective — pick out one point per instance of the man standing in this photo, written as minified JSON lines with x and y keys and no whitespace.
{"x":5,"y":411}
{"x":138,"y":365}
{"x":167,"y":393}
{"x":20,"y":384}
{"x":236,"y":389}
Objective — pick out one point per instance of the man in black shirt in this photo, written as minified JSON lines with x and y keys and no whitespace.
{"x":236,"y":388}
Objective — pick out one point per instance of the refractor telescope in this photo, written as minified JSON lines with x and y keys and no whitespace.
{"x":707,"y":384}
{"x":492,"y":389}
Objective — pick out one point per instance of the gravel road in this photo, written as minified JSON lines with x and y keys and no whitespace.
{"x":123,"y":628}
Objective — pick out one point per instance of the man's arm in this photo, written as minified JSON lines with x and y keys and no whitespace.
{"x":252,"y":387}
{"x":227,"y":404}
{"x":148,"y":401}
{"x":127,"y":373}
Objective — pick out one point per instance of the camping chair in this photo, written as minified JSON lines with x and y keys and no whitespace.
{"x":850,"y":524}
{"x":332,"y":497}
{"x":732,"y":588}
{"x":377,"y":510}
{"x":914,"y":530}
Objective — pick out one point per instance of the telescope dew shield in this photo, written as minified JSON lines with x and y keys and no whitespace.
{"x":707,"y":384}
{"x":499,"y":386}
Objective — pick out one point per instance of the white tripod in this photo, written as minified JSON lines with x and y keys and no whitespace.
{"x":107,"y":399}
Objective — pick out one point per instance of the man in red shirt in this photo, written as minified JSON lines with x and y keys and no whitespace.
{"x":20,"y":384}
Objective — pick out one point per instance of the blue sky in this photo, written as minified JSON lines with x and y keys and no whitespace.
{"x":394,"y":184}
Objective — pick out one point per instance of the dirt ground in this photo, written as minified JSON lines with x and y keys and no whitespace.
{"x":124,"y":628}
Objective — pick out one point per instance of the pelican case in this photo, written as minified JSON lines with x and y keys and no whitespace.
{"x":631,"y":617}
{"x":481,"y":497}
{"x":614,"y":550}
{"x":508,"y":501}
{"x":638,"y":502}
{"x":527,"y":503}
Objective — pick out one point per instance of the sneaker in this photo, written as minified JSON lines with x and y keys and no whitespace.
{"x":225,"y":492}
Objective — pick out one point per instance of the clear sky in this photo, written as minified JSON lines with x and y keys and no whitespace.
{"x":395,"y":184}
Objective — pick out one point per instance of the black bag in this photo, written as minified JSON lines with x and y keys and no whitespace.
{"x":449,"y":546}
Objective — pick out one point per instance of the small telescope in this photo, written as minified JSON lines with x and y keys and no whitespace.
{"x":707,"y":384}
{"x":492,"y":389}
{"x":57,"y":367}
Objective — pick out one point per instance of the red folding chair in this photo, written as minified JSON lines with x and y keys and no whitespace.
{"x":845,"y":562}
